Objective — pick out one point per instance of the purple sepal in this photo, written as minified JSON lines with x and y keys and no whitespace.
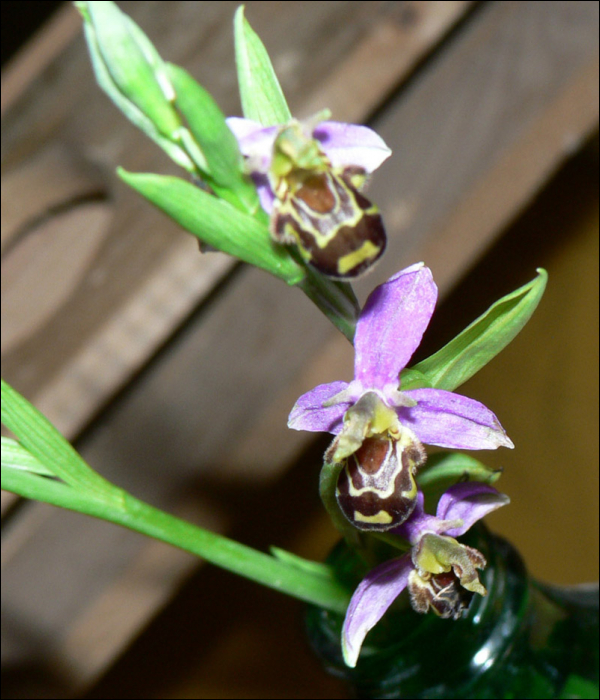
{"x":351,"y":144}
{"x":309,"y":414}
{"x":374,"y":595}
{"x":255,"y":141}
{"x":469,"y":502}
{"x":344,"y":144}
{"x":446,"y":419}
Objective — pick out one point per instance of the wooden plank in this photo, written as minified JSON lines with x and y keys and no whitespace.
{"x":39,"y":52}
{"x":383,"y":58}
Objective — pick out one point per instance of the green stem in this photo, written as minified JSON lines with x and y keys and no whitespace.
{"x":314,"y":587}
{"x":335,"y":299}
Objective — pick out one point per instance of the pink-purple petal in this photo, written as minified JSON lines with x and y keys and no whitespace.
{"x":265,"y":193}
{"x":255,"y":141}
{"x":391,"y":325}
{"x":351,"y":144}
{"x":309,"y":414}
{"x":469,"y":502}
{"x":344,"y":144}
{"x":374,"y":595}
{"x":446,"y":419}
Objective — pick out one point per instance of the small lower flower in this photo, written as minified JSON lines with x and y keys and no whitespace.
{"x":439,"y":572}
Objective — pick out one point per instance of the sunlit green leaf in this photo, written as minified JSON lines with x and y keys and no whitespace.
{"x":15,"y":456}
{"x":129,"y":70}
{"x":133,"y":65}
{"x":43,"y":441}
{"x":216,"y":222}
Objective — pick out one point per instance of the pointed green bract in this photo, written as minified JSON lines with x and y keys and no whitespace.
{"x":480,"y":342}
{"x":219,"y":147}
{"x":260,"y":91}
{"x":43,"y":441}
{"x":133,"y":64}
{"x":216,"y":222}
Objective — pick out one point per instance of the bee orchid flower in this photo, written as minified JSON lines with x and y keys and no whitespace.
{"x":439,"y":572}
{"x":309,"y":176}
{"x":378,"y":425}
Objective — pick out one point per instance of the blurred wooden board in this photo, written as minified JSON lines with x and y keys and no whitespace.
{"x":483,"y":122}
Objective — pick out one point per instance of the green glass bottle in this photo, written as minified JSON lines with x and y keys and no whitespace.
{"x":523,"y":640}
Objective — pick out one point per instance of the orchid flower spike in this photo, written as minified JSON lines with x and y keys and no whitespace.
{"x":439,"y":572}
{"x":380,"y":429}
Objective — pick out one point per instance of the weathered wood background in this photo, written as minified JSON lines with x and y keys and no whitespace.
{"x":174,"y":372}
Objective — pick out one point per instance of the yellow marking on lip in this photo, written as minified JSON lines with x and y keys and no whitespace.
{"x":381,"y":518}
{"x":348,"y":262}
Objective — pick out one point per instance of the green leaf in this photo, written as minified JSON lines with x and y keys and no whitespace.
{"x":136,"y":70}
{"x":216,"y":222}
{"x":225,"y":172}
{"x":43,"y":441}
{"x":40,"y":488}
{"x":306,"y":583}
{"x":260,"y":91}
{"x":15,"y":456}
{"x":472,"y":349}
{"x":311,"y":567}
{"x":335,"y":299}
{"x":87,"y":492}
{"x":410,"y":378}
